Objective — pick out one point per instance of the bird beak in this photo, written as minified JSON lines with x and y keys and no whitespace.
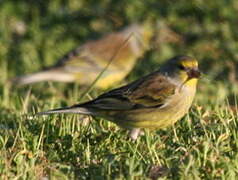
{"x":193,"y":73}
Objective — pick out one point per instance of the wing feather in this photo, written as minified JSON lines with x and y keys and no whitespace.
{"x":151,"y":91}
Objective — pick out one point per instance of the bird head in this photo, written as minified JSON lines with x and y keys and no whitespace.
{"x":184,"y":69}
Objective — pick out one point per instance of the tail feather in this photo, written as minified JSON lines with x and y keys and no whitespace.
{"x":49,"y":75}
{"x":67,"y":110}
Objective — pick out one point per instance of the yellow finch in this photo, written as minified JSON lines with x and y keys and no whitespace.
{"x":86,"y":62}
{"x":153,"y":101}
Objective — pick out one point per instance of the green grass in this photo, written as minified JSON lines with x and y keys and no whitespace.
{"x":203,"y":145}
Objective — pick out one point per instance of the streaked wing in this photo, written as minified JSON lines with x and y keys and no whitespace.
{"x":154,"y":91}
{"x":99,"y":52}
{"x":150,"y":91}
{"x":96,"y":54}
{"x":75,"y":59}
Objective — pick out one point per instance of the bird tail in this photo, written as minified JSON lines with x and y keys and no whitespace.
{"x":47,"y":75}
{"x":68,"y":110}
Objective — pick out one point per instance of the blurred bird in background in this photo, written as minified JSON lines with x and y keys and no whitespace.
{"x":154,"y":101}
{"x":85,"y":63}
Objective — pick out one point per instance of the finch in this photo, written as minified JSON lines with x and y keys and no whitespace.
{"x":154,"y":101}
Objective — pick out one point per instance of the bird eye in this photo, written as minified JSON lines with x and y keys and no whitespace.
{"x":181,"y":67}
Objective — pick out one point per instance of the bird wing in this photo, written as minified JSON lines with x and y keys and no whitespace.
{"x":124,"y":47}
{"x":151,"y":91}
{"x":99,"y":52}
{"x":75,"y":59}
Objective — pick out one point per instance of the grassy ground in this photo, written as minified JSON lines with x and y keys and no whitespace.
{"x":203,"y":145}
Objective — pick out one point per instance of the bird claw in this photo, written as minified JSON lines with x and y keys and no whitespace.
{"x":134,"y":133}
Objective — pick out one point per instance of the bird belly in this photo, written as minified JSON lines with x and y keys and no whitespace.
{"x":156,"y":118}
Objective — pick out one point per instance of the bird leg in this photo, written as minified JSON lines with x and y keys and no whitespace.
{"x":85,"y":120}
{"x":134,"y":133}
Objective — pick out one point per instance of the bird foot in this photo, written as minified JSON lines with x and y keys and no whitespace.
{"x":134,"y":133}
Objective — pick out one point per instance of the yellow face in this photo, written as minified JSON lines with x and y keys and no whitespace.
{"x":188,"y":70}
